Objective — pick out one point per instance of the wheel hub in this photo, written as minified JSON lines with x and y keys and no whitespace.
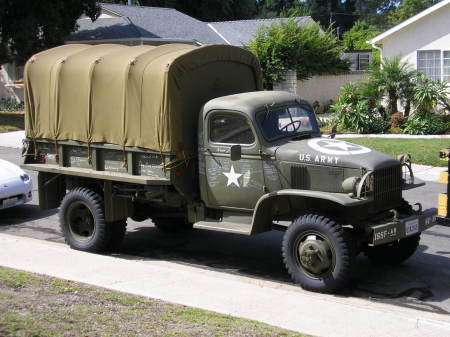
{"x":314,"y":255}
{"x":81,"y":221}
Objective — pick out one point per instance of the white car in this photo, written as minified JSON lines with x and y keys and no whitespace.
{"x":15,"y":185}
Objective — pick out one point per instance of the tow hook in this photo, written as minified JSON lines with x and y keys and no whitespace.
{"x":419,"y":205}
{"x":395,"y":217}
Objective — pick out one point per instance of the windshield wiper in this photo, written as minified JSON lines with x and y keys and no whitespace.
{"x":267,"y":112}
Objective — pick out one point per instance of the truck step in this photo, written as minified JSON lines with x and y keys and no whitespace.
{"x":228,"y":227}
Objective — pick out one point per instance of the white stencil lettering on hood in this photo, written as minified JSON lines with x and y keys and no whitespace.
{"x":336,"y":147}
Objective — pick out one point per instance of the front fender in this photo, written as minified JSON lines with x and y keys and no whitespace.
{"x":264,"y":210}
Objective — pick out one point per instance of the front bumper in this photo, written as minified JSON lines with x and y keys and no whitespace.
{"x":402,"y":228}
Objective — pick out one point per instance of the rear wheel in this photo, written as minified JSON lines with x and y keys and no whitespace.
{"x":395,"y":252}
{"x":82,"y":220}
{"x":317,"y":253}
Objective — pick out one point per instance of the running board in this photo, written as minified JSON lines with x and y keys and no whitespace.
{"x":228,"y":227}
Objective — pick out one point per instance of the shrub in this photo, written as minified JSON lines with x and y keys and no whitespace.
{"x":10,"y":105}
{"x":397,"y":120}
{"x":377,"y":124}
{"x":358,"y":110}
{"x":395,"y":131}
{"x":424,"y":125}
{"x":307,"y":49}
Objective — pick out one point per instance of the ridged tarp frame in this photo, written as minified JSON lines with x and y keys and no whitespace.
{"x":139,"y":96}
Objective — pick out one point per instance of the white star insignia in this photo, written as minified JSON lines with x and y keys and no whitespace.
{"x":339,"y":144}
{"x":232,"y":177}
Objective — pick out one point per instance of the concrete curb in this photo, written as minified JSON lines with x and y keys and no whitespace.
{"x":277,"y":304}
{"x":392,"y":136}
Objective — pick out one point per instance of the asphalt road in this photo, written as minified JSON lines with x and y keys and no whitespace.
{"x":423,"y":282}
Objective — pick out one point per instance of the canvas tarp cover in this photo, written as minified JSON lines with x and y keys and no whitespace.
{"x":141,"y":96}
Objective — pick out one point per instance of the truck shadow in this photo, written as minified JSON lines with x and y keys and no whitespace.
{"x":23,"y":213}
{"x":421,"y":283}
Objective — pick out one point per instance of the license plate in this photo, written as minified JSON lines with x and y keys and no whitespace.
{"x":9,"y":202}
{"x":412,"y":227}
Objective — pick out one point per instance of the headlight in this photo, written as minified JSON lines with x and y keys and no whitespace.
{"x":366,"y":185}
{"x":350,"y":185}
{"x":25,"y":177}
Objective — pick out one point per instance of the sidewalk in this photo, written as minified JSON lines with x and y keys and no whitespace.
{"x":12,"y":139}
{"x":277,"y":304}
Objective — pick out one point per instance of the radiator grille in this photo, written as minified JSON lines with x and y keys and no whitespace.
{"x":317,"y":178}
{"x":388,"y":188}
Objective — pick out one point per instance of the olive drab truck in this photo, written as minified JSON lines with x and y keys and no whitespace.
{"x":185,"y":136}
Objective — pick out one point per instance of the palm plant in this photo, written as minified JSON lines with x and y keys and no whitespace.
{"x":428,"y":93}
{"x":395,"y":80}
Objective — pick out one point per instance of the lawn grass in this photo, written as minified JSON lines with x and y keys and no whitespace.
{"x":422,"y":151}
{"x":11,"y":121}
{"x":38,"y":306}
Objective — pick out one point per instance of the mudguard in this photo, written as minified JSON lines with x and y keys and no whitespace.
{"x":263,"y":213}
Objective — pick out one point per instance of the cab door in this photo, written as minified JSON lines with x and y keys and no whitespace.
{"x":238,"y":183}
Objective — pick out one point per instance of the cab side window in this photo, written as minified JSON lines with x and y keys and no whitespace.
{"x":230,"y":129}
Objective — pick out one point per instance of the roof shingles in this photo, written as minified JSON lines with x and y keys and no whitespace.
{"x":139,"y":22}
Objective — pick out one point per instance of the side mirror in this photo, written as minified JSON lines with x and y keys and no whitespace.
{"x":235,"y":152}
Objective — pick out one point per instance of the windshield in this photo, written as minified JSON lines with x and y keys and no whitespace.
{"x":283,"y":122}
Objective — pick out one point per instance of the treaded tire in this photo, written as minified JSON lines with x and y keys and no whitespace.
{"x":341,"y":255}
{"x":172,"y":225}
{"x":117,"y":230}
{"x":394,"y":253}
{"x":83,"y":203}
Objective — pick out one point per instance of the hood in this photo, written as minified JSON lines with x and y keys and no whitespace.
{"x":9,"y":171}
{"x":333,"y":152}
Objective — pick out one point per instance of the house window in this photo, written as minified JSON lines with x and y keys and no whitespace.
{"x":446,"y":66}
{"x":363,"y":61}
{"x":429,"y":63}
{"x":434,"y":64}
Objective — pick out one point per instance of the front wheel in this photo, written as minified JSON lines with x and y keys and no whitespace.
{"x":317,"y":253}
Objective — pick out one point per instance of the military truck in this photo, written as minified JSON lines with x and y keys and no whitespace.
{"x":185,"y":136}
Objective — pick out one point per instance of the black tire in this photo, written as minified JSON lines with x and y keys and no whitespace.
{"x":82,"y":220}
{"x":117,"y":230}
{"x":395,"y":252}
{"x":172,"y":225}
{"x":330,"y":254}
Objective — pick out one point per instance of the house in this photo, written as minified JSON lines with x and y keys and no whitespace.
{"x":423,"y":41}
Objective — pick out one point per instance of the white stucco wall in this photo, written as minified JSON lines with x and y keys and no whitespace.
{"x":430,"y":32}
{"x":325,"y":87}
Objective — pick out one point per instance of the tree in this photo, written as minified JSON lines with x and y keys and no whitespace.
{"x":395,"y":79}
{"x":306,"y":49}
{"x":357,"y":37}
{"x":340,"y":13}
{"x":375,"y":12}
{"x":407,"y":9}
{"x":27,"y":27}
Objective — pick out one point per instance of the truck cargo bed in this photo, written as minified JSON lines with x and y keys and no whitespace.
{"x":90,"y":173}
